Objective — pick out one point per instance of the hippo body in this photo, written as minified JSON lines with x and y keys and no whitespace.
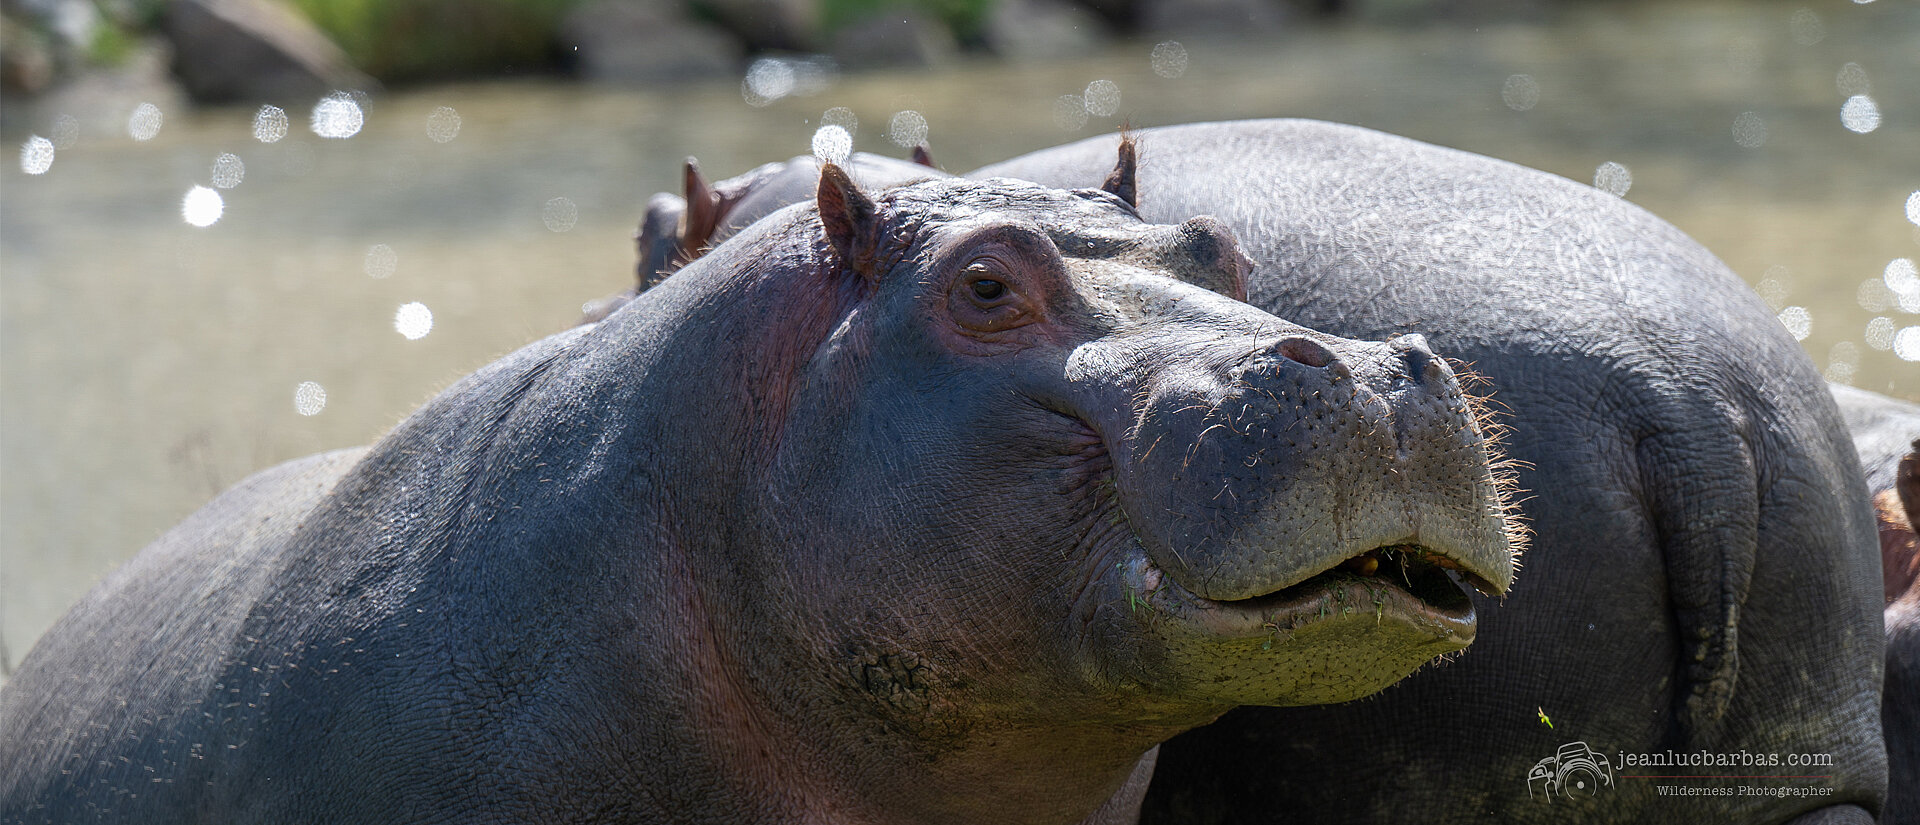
{"x":1702,"y":574}
{"x":1886,"y":433}
{"x":942,"y":508}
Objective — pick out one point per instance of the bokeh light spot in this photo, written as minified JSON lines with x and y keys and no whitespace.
{"x":560,"y":214}
{"x":1103,"y":98}
{"x":1520,"y":92}
{"x":1906,"y":344}
{"x":842,"y":117}
{"x":1880,"y":333}
{"x":202,"y":206}
{"x":66,"y":131}
{"x":228,"y":171}
{"x":1749,"y":131}
{"x":1169,"y":59}
{"x":1070,"y":112}
{"x":309,"y":398}
{"x":337,"y":116}
{"x":1852,"y":80}
{"x":1798,"y":321}
{"x":1860,"y":114}
{"x":145,"y":122}
{"x":269,"y":124}
{"x":908,"y":128}
{"x":36,"y":155}
{"x":381,"y":261}
{"x":1613,"y":179}
{"x":413,"y":321}
{"x":1806,"y":27}
{"x":443,"y":124}
{"x":832,"y":144}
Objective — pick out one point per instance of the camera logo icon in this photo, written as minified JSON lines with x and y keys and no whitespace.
{"x":1574,"y":769}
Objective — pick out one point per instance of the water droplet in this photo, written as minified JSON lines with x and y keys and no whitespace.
{"x":1749,"y":131}
{"x":1520,"y":92}
{"x":66,"y":131}
{"x":145,"y":122}
{"x":1169,"y":59}
{"x":443,"y":124}
{"x":36,"y":155}
{"x":1913,"y":209}
{"x":832,"y":144}
{"x":1103,"y":98}
{"x":228,"y":171}
{"x":413,"y":321}
{"x":269,"y":124}
{"x":1880,"y":333}
{"x":908,"y":128}
{"x":1798,"y":321}
{"x":1613,"y":179}
{"x":767,"y":80}
{"x":1852,"y":80}
{"x":1070,"y":112}
{"x":560,"y":214}
{"x":1807,"y":27}
{"x":1906,"y":344}
{"x":842,"y":117}
{"x":381,"y":261}
{"x":1860,"y":114}
{"x":337,"y":116}
{"x":309,"y":398}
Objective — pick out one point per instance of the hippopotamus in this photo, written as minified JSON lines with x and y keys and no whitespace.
{"x":1702,"y":575}
{"x":676,"y":229}
{"x":1886,"y":434}
{"x":1900,"y":713}
{"x":1883,"y":431}
{"x":943,"y":504}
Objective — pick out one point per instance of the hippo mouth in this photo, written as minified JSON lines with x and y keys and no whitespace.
{"x":1431,"y":580}
{"x":1416,"y":586}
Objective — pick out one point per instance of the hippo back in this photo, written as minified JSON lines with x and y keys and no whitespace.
{"x":1702,"y":574}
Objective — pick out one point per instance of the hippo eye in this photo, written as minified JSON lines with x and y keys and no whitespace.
{"x":987,"y":289}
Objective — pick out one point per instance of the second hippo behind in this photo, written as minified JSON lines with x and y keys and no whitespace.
{"x":943,"y":507}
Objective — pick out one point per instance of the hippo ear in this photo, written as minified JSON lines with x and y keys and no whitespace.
{"x":702,"y":215}
{"x":849,"y":218}
{"x":1120,"y":182}
{"x":923,"y":156}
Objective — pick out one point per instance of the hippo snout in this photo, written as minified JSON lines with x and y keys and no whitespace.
{"x":1308,"y":452}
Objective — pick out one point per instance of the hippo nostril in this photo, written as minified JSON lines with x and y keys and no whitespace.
{"x":1306,"y":351}
{"x":1421,"y":364}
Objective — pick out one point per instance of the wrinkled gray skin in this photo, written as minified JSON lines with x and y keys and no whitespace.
{"x":1702,"y":574}
{"x":1886,"y":433}
{"x":1883,"y":431}
{"x":945,"y":508}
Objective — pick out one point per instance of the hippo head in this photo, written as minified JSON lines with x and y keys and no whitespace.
{"x":1031,"y":467}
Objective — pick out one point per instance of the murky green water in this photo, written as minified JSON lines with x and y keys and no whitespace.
{"x":146,"y":363}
